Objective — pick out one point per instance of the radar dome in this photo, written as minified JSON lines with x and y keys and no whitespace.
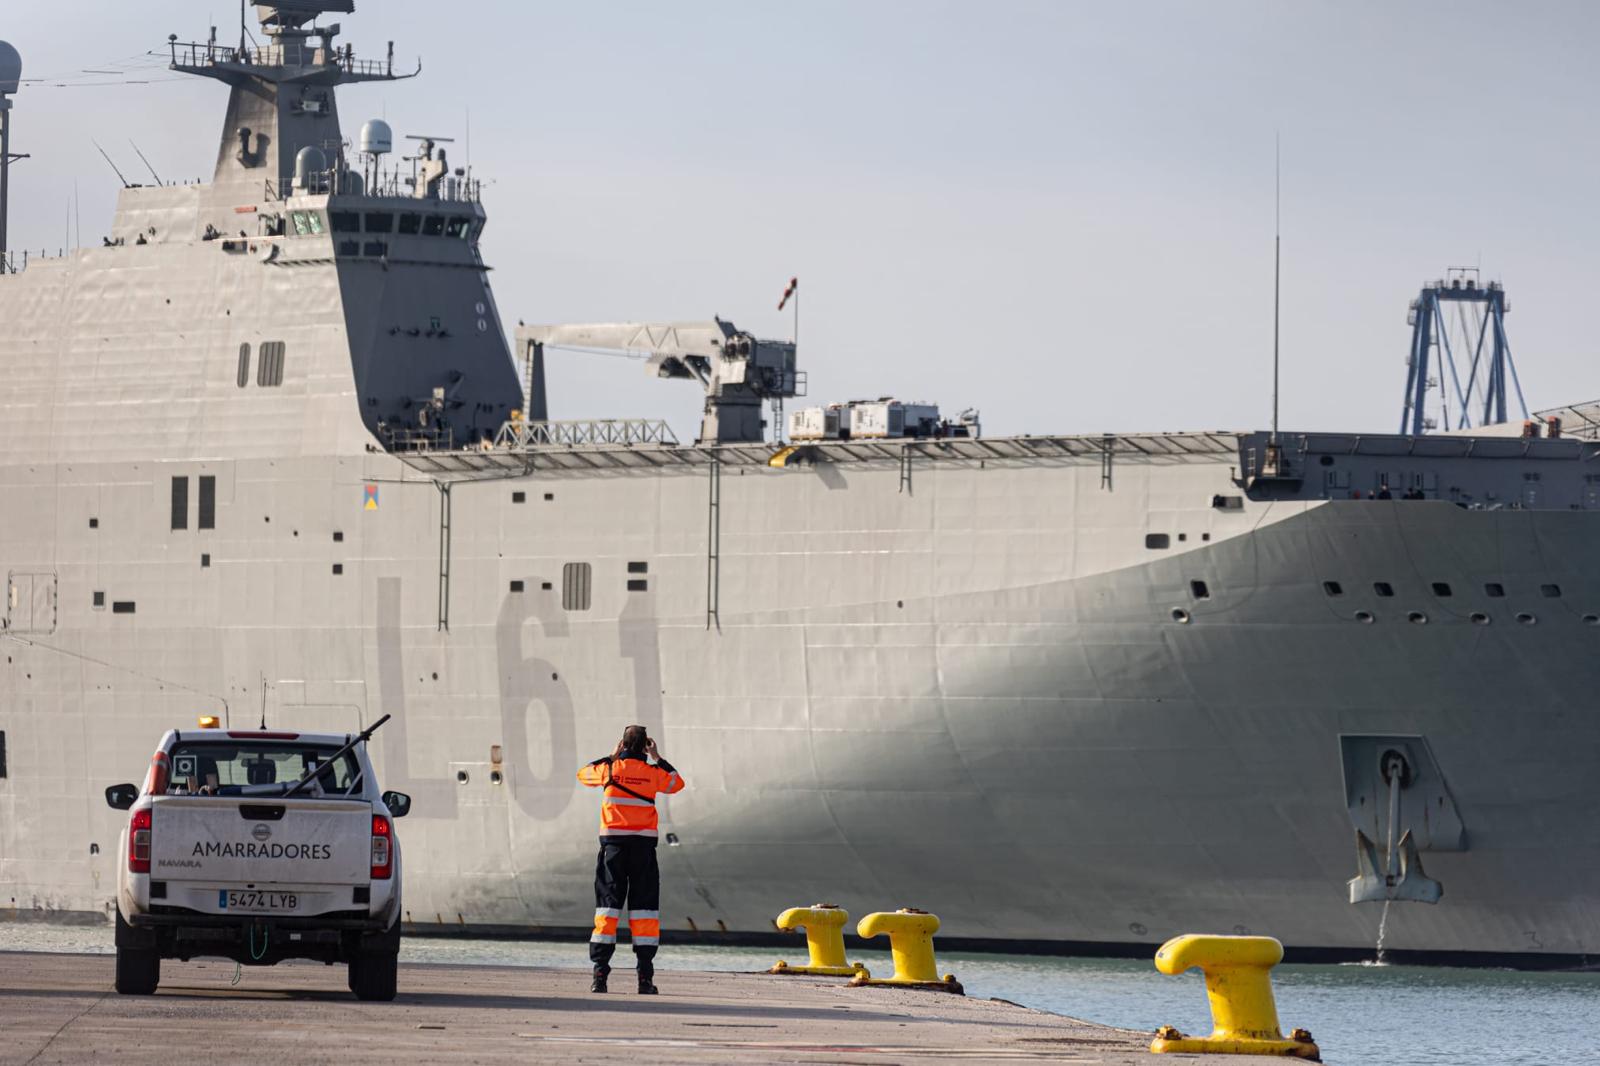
{"x":309,"y":163}
{"x":377,"y":138}
{"x":10,"y":69}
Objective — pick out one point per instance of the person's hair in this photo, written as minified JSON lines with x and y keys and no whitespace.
{"x":634,"y":738}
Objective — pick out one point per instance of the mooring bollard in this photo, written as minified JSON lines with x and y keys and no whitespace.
{"x":910,"y":934}
{"x":824,"y":925}
{"x":1239,"y":985}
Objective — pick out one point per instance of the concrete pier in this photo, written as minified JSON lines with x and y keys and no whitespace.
{"x":61,"y":1009}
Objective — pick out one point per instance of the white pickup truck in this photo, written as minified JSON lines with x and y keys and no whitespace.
{"x":259,"y":846}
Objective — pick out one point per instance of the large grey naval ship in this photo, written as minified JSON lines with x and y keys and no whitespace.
{"x":266,"y":452}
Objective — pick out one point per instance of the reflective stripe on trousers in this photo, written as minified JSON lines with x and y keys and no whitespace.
{"x":605,"y":925}
{"x":644,"y":927}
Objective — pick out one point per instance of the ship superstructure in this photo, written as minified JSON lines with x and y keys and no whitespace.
{"x":268,"y":452}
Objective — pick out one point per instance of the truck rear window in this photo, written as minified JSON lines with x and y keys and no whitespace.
{"x":260,"y":768}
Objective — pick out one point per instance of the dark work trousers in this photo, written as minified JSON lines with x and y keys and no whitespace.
{"x":626,"y":877}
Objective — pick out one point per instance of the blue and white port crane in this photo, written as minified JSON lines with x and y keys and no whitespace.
{"x":1453,"y":316}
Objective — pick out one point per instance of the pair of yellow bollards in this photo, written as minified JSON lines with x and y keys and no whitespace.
{"x":910,"y":935}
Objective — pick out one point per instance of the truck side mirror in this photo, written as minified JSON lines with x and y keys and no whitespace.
{"x":121,"y":797}
{"x":399,"y":804}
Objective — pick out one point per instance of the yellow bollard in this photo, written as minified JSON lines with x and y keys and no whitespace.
{"x":911,"y":942}
{"x":824,"y":925}
{"x":1239,"y":986}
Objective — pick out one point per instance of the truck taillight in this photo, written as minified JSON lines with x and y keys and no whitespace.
{"x":139,"y":842}
{"x":382,"y":848}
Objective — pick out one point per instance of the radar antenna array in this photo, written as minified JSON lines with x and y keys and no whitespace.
{"x":293,"y":14}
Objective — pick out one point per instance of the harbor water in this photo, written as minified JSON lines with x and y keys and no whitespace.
{"x":1393,"y":1015}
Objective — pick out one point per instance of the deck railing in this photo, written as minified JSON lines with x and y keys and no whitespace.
{"x":585,"y":433}
{"x":198,"y":56}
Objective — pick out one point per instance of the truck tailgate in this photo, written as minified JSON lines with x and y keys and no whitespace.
{"x":225,"y":839}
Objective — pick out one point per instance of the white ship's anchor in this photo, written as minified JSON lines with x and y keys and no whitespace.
{"x":1402,"y":877}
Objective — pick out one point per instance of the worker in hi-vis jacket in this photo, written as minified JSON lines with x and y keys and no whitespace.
{"x":626,"y":875}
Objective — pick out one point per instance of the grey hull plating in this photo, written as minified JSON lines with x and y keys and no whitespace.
{"x":934,"y":698}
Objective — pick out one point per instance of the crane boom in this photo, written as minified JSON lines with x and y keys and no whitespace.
{"x":738,"y":371}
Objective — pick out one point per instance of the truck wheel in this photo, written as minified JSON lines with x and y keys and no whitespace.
{"x":138,"y":971}
{"x":138,"y":968}
{"x":373,"y":975}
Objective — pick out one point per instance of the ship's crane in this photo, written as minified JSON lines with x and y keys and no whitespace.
{"x":738,"y":371}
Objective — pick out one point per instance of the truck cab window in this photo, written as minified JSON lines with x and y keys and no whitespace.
{"x":258,"y":768}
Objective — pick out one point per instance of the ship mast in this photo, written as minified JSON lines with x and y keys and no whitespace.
{"x":282,"y":93}
{"x":1277,"y":271}
{"x":10,"y":79}
{"x":1273,"y":465}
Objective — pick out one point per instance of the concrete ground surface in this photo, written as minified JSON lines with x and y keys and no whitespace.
{"x":61,"y":1009}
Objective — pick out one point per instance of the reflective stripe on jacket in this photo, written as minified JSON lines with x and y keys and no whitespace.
{"x":630,"y":786}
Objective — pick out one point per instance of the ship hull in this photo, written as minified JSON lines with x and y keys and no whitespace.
{"x":978,"y":692}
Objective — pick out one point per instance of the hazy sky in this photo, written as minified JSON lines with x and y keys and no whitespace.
{"x":1058,"y":212}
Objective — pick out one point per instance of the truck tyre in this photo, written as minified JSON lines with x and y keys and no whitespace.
{"x":373,"y":975}
{"x":138,"y":969}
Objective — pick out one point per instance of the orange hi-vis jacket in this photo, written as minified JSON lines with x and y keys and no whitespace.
{"x":631,"y":785}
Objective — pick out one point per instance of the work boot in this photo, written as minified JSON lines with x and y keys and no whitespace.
{"x":646,"y":986}
{"x":599,"y":982}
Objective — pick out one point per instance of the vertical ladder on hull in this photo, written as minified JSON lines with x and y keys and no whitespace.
{"x":1107,"y":446}
{"x":444,"y":555}
{"x":714,"y":544}
{"x":905,"y":468}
